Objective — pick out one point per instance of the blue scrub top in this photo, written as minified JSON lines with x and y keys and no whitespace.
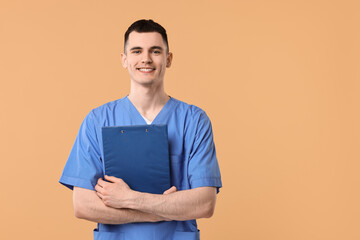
{"x":192,"y":153}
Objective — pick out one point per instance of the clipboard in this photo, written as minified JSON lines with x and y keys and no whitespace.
{"x":139,"y":155}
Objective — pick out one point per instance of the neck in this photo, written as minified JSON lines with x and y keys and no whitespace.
{"x":148,"y":100}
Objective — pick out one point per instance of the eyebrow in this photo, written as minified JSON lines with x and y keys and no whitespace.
{"x":152,"y":48}
{"x":156,"y":47}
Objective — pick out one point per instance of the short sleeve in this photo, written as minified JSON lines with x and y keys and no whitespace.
{"x":203,"y":164}
{"x":84,"y":166}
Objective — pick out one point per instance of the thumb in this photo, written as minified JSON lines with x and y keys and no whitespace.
{"x":170,"y":190}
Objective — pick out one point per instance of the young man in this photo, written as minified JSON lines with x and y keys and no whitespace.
{"x":122,"y":213}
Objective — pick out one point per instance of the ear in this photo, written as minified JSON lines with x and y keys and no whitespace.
{"x":169,"y":59}
{"x":124,"y":60}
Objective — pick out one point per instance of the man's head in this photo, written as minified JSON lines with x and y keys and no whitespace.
{"x":144,"y":26}
{"x":146,"y":55}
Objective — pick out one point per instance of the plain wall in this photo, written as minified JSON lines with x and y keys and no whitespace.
{"x":278,"y":79}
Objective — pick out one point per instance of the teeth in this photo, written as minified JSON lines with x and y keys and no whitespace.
{"x":146,"y":69}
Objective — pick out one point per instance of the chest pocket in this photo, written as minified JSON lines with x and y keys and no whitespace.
{"x":178,"y":171}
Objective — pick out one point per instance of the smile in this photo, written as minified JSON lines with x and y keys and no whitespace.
{"x":146,"y":70}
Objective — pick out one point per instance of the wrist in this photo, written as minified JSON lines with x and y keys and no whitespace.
{"x":135,"y":200}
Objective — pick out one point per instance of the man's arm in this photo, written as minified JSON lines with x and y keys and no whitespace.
{"x":87,"y":205}
{"x":181,"y":205}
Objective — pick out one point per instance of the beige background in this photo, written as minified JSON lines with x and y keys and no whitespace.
{"x":279,"y":80}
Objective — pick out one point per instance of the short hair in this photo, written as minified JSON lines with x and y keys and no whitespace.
{"x":143,"y":26}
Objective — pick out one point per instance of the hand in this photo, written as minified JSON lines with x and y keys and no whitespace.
{"x":115,"y":193}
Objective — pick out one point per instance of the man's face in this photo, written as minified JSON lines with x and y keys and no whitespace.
{"x":146,"y":58}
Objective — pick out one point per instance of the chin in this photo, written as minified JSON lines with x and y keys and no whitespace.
{"x":146,"y":82}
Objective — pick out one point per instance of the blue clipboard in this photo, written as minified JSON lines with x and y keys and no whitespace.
{"x":139,"y":155}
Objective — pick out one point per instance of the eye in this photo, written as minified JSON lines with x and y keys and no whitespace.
{"x":135,"y":52}
{"x":156,"y":52}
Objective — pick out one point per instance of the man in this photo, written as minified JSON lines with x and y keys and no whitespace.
{"x":122,"y":213}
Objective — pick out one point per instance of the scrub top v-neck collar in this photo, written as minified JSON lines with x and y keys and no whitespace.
{"x":138,"y":119}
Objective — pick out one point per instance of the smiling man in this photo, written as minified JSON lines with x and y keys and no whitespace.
{"x":122,"y":213}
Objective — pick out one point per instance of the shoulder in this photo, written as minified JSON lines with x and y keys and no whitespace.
{"x":105,"y":110}
{"x":190,"y":109}
{"x":109,"y":106}
{"x":193,"y":115}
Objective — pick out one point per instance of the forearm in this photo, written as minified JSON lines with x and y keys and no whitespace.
{"x":181,"y":205}
{"x":87,"y":205}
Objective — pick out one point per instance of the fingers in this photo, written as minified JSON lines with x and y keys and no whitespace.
{"x":112,"y":179}
{"x":99,"y":195}
{"x":170,"y":190}
{"x":101,"y":182}
{"x":98,"y":188}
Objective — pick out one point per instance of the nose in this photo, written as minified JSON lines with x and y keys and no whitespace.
{"x":146,"y":58}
